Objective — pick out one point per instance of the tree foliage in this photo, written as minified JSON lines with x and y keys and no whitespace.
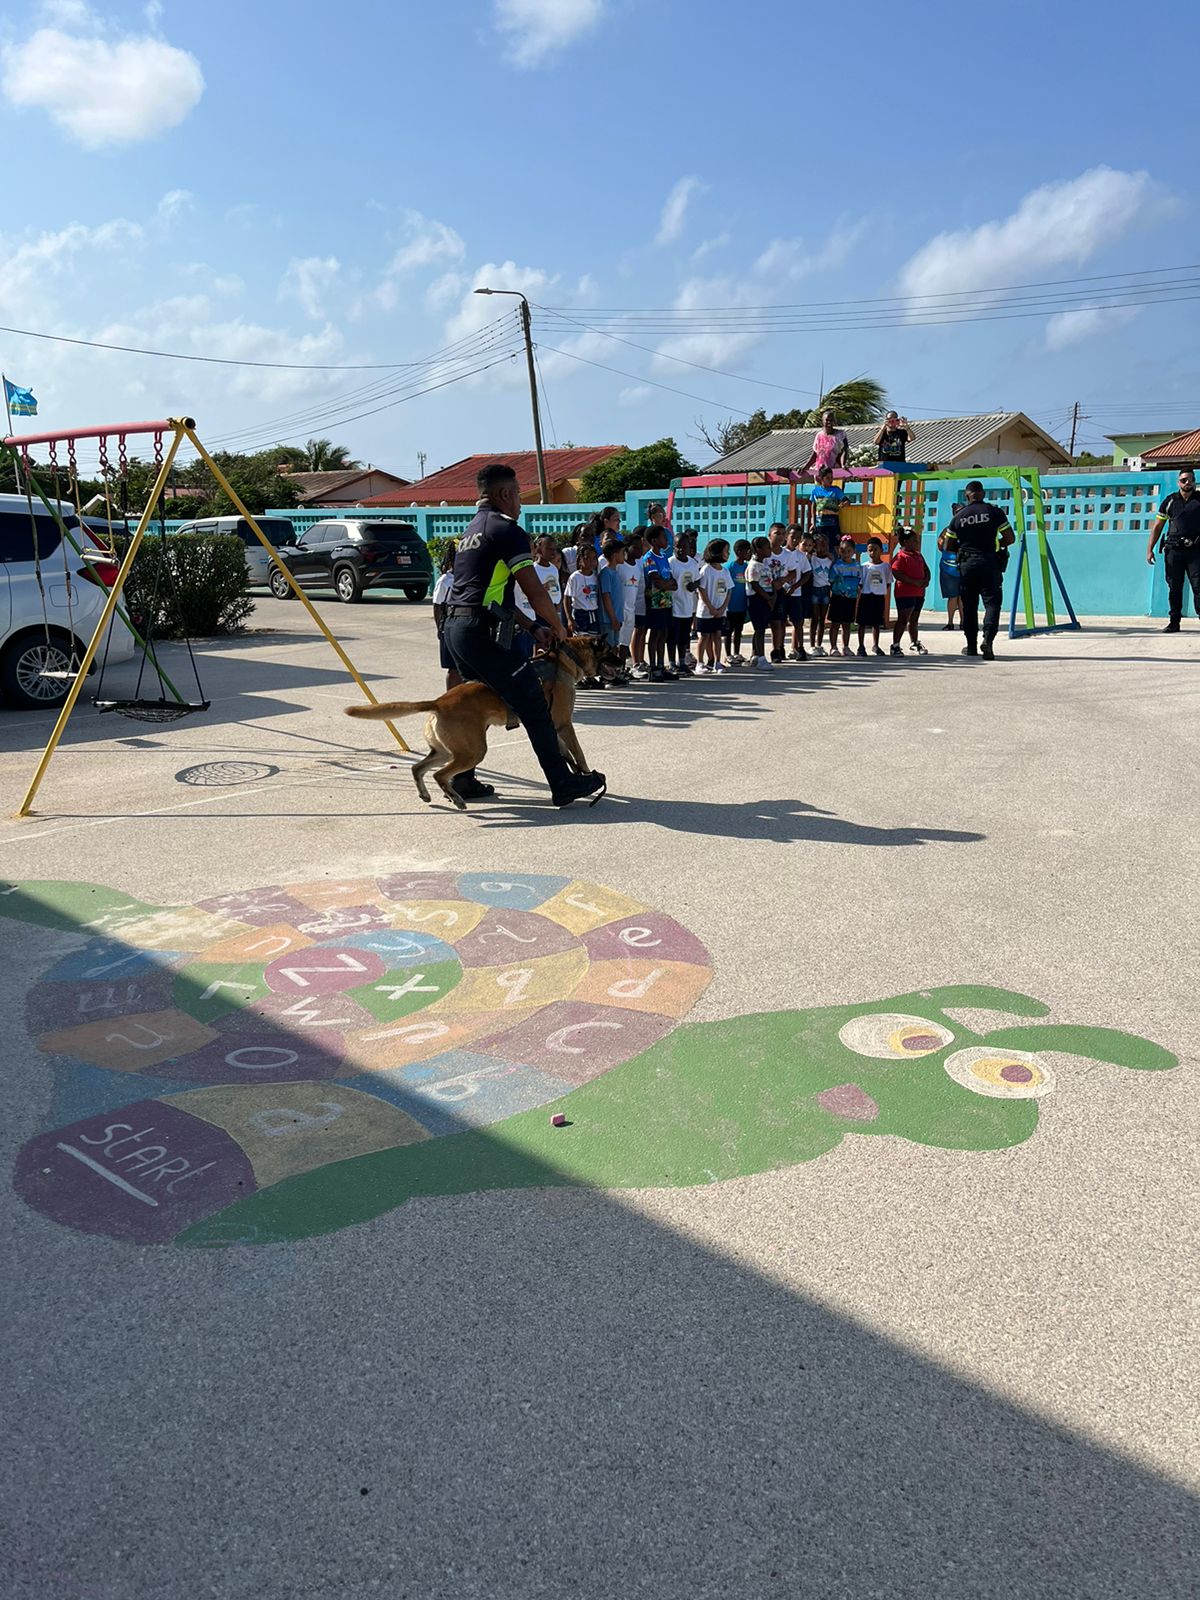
{"x":651,"y":467}
{"x":858,"y":400}
{"x":322,"y":455}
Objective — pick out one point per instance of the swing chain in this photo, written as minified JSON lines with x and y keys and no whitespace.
{"x":122,"y":459}
{"x":71,"y":462}
{"x":104,"y":463}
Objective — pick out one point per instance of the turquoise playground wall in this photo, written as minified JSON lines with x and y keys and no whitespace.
{"x":1097,"y":523}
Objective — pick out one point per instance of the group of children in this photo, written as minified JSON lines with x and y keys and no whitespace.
{"x":652,"y":605}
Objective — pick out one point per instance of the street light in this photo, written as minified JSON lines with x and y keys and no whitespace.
{"x":533,"y":399}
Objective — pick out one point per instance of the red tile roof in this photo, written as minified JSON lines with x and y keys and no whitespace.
{"x":456,"y":484}
{"x":1185,"y":449}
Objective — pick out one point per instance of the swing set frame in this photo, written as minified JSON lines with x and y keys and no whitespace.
{"x":181,"y":430}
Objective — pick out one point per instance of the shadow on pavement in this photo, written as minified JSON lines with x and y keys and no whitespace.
{"x":775,"y":821}
{"x":541,"y":1392}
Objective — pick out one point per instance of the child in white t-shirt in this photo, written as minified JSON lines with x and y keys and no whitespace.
{"x":714,"y":591}
{"x":583,"y":593}
{"x":873,"y":596}
{"x":821,"y":590}
{"x":685,"y":569}
{"x":443,"y":592}
{"x":760,"y":599}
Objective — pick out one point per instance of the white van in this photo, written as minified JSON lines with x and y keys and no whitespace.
{"x":258,"y":563}
{"x":44,"y":630}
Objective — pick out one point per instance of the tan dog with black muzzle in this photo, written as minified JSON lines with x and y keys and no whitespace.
{"x":457,"y":726}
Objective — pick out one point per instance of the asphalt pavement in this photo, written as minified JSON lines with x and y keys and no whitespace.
{"x":955,"y":1357}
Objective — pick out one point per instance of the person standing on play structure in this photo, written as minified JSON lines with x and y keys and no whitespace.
{"x":978,"y":532}
{"x":830,"y":446}
{"x":1179,"y":515}
{"x":892,"y":440}
{"x":493,"y":557}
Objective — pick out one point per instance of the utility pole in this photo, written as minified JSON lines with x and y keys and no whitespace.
{"x":1074,"y":429}
{"x":527,"y":330}
{"x":422,"y":458}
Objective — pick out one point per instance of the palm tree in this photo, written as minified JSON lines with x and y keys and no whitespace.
{"x":322,"y":455}
{"x":856,"y":400}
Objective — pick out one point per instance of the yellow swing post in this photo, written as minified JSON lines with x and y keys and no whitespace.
{"x":181,"y":427}
{"x":223,"y":481}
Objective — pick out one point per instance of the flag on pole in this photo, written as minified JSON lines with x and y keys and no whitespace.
{"x":20,"y":402}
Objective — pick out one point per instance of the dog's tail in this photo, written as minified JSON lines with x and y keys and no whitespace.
{"x":389,"y":710}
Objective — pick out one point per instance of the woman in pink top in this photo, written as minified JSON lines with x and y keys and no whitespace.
{"x":830,"y":446}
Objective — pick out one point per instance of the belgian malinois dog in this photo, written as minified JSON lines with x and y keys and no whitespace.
{"x":457,"y":725}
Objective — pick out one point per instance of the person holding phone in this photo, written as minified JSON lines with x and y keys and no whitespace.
{"x":892,"y":440}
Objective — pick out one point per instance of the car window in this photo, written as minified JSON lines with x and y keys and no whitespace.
{"x":21,"y":536}
{"x":399,"y":534}
{"x":277,"y":529}
{"x":316,"y":536}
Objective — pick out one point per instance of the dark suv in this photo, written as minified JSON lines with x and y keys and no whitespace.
{"x":353,"y":554}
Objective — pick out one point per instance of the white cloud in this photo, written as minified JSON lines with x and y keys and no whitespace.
{"x":308,"y":279}
{"x":788,"y":260}
{"x":175,"y":203}
{"x":30,"y":264}
{"x":710,"y":349}
{"x":101,"y":91}
{"x":427,"y":242}
{"x":538,"y":30}
{"x":670,"y":224}
{"x":1072,"y":327}
{"x":477,"y":310}
{"x":635,"y":394}
{"x":707,"y":247}
{"x":1058,"y":223}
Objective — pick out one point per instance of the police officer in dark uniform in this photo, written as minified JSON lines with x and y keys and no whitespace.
{"x":1179,"y":516}
{"x":979,"y":532}
{"x":493,"y":555}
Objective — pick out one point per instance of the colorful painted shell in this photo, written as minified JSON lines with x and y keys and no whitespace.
{"x":433,"y":1002}
{"x":270,"y":1065}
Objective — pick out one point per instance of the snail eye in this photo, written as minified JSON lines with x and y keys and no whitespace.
{"x":1000,"y":1074}
{"x":889,"y":1037}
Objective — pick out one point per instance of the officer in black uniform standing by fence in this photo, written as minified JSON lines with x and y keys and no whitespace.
{"x":493,"y":555}
{"x":1179,"y":515}
{"x":979,"y":532}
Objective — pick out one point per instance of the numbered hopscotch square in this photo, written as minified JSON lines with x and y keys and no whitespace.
{"x":463,"y":1090}
{"x":584,"y":906}
{"x":445,"y":919}
{"x":290,"y":1128}
{"x":260,"y":945}
{"x":519,"y":985}
{"x":333,"y":894}
{"x":669,"y":988}
{"x":188,"y":928}
{"x":130,"y":1044}
{"x":415,"y":1038}
{"x":525,"y":891}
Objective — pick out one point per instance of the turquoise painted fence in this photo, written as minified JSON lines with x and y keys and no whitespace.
{"x":1098,"y":524}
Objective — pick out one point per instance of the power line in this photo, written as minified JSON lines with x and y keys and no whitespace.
{"x":1047,"y":283}
{"x":638,"y":378}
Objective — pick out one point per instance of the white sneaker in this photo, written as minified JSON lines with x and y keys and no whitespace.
{"x":719,"y":668}
{"x":641,"y":673}
{"x":817,"y":650}
{"x":700,"y":669}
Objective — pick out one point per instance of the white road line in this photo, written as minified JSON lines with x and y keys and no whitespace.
{"x":113,"y":1177}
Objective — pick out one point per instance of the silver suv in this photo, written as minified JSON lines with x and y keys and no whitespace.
{"x":258,"y":563}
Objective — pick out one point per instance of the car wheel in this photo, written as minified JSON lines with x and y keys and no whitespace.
{"x":347,"y":585}
{"x":279,"y":585}
{"x":412,"y":592}
{"x":30,"y":668}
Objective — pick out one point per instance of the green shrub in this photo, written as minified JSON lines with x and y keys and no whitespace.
{"x":202,"y":590}
{"x":438,"y":544}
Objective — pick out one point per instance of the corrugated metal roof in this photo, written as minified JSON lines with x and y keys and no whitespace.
{"x":455,"y":484}
{"x":942,"y":441}
{"x":1184,"y":449}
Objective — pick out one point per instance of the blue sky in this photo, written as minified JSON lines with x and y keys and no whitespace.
{"x":326,"y":184}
